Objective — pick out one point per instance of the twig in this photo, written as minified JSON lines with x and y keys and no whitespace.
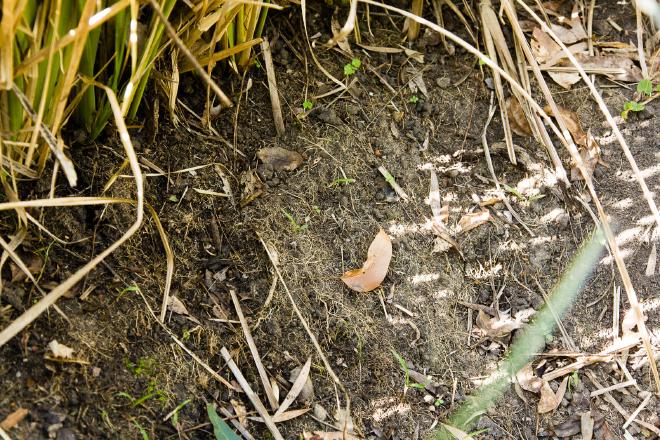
{"x":613,"y":388}
{"x":618,"y":407}
{"x":255,"y":353}
{"x":639,"y":409}
{"x":261,"y":409}
{"x":272,"y":88}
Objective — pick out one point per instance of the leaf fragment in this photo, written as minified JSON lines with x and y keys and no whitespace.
{"x":373,"y":271}
{"x":549,"y":399}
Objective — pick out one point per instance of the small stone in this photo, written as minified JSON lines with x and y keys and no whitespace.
{"x":320,"y":412}
{"x":443,"y":82}
{"x":65,"y":434}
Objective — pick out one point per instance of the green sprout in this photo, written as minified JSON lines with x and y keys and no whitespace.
{"x":631,"y":106}
{"x":352,"y":67}
{"x":645,"y":87}
{"x":341,"y":181}
{"x":414,"y":99}
{"x":307,"y":104}
{"x":404,"y":366}
{"x":294,"y":224}
{"x":175,"y":416}
{"x":143,"y":432}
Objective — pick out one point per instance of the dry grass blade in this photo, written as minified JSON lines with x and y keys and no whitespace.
{"x":493,"y":38}
{"x":348,"y":26}
{"x":272,"y":89}
{"x":303,"y":9}
{"x":272,"y":400}
{"x":296,"y":388}
{"x":65,"y":162}
{"x":37,"y":309}
{"x":94,"y":22}
{"x":226,"y":102}
{"x":251,"y":395}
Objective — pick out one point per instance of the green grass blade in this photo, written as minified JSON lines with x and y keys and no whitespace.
{"x":221,"y":429}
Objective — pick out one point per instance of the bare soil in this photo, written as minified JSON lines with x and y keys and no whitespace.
{"x":123,"y":355}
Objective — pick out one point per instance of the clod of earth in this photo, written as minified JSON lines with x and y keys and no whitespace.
{"x":280,"y":158}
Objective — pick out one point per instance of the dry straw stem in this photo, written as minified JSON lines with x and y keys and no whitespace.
{"x":565,"y":137}
{"x":272,"y":88}
{"x":303,"y":9}
{"x":37,"y":309}
{"x":254,"y":398}
{"x":196,"y":358}
{"x":272,"y":400}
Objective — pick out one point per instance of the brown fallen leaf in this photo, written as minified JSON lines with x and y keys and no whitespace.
{"x":373,"y":271}
{"x":568,"y":428}
{"x":528,"y":380}
{"x":239,"y":410}
{"x":628,"y":71}
{"x":517,"y":119}
{"x":586,"y":425}
{"x":175,"y":305}
{"x":252,"y":187}
{"x":587,"y":146}
{"x":13,"y":419}
{"x":472,"y":220}
{"x":496,"y":328}
{"x":280,"y":158}
{"x":573,"y":32}
{"x":550,"y":400}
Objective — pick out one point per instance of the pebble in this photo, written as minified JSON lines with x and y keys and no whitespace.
{"x":443,"y":82}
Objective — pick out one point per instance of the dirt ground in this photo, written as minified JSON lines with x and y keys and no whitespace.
{"x":128,"y":373}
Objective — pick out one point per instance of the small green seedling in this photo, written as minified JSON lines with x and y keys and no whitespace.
{"x":294,"y":224}
{"x":414,"y":99}
{"x":308,"y":105}
{"x":151,"y":393}
{"x":342,"y":181}
{"x":316,"y":209}
{"x":438,"y":402}
{"x":631,"y":106}
{"x":352,"y":67}
{"x":175,"y":415}
{"x":143,"y":367}
{"x":106,"y":419}
{"x":573,"y":381}
{"x":520,"y":196}
{"x":404,"y":366}
{"x":645,"y":87}
{"x":143,"y":432}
